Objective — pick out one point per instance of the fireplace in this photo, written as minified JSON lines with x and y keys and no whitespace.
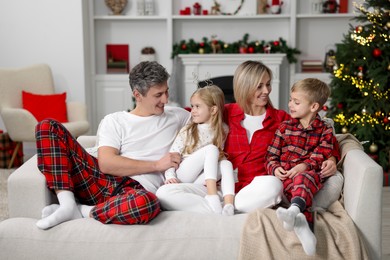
{"x":190,"y":69}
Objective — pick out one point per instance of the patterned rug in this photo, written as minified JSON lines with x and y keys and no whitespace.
{"x":4,"y":174}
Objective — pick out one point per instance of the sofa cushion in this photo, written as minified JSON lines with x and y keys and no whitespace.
{"x":171,"y":235}
{"x":46,"y":106}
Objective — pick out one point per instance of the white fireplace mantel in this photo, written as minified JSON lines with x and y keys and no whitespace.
{"x":206,"y":66}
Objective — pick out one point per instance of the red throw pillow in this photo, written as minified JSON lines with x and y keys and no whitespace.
{"x":46,"y":106}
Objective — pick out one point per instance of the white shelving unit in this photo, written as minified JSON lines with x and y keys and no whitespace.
{"x":313,"y":34}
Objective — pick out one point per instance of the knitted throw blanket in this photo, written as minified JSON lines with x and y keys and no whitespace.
{"x":264,"y":237}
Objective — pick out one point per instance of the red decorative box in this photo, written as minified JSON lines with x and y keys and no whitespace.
{"x":117,"y":56}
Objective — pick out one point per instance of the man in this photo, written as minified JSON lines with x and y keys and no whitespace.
{"x":132,"y":152}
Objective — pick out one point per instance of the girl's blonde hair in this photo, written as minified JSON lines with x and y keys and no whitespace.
{"x":247,"y":78}
{"x":211,"y":96}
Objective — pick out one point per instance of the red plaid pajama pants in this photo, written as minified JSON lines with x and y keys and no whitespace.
{"x":67,"y":166}
{"x":304,"y":186}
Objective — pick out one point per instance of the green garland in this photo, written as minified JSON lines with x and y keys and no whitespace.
{"x":206,"y":47}
{"x":234,"y":13}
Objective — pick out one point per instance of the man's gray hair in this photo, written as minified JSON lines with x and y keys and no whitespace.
{"x":147,"y":74}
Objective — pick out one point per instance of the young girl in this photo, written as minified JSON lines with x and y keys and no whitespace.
{"x":200,"y":144}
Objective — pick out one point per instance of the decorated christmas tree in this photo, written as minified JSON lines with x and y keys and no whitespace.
{"x":360,"y":84}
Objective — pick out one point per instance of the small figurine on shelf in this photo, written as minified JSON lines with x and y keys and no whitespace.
{"x":116,"y":6}
{"x":197,"y":9}
{"x":261,"y":6}
{"x":330,"y":60}
{"x":330,"y":6}
{"x":215,"y":45}
{"x":149,"y":7}
{"x":148,"y":54}
{"x":140,"y":7}
{"x":276,"y":7}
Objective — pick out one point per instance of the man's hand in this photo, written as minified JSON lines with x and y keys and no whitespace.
{"x":167,"y":161}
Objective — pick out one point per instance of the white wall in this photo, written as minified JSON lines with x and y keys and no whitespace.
{"x":45,"y":31}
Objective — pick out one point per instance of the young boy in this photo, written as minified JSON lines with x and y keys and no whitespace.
{"x":299,"y":147}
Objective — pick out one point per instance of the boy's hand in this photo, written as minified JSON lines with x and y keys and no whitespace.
{"x":280,"y":173}
{"x":296,"y":169}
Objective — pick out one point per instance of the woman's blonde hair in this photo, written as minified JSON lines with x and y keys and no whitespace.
{"x":247,"y":78}
{"x":211,"y":96}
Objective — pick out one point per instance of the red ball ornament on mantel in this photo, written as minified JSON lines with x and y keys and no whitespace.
{"x":183,"y":46}
{"x":201,"y":44}
{"x":251,"y":49}
{"x":276,"y":43}
{"x":243,"y":49}
{"x":376,"y":52}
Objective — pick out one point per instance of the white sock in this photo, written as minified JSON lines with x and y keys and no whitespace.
{"x":48,"y":210}
{"x":305,"y":235}
{"x":288,"y":216}
{"x":228,"y":210}
{"x":85,"y":210}
{"x":67,"y":210}
{"x":214,"y":203}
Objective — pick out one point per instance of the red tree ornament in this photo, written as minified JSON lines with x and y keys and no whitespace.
{"x":376,"y":52}
{"x":386,"y":120}
{"x":340,"y":106}
{"x":325,"y":108}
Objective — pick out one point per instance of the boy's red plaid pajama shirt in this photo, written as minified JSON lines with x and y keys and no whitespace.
{"x":292,"y":145}
{"x":68,"y":166}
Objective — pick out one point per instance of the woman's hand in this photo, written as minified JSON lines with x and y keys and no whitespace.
{"x":328,"y":168}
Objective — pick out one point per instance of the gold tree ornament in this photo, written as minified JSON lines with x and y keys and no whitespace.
{"x":116,"y":6}
{"x":373,"y":148}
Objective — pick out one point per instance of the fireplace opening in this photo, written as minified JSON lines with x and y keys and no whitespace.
{"x":225,"y":83}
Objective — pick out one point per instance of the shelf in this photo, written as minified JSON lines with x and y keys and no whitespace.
{"x":128,"y":17}
{"x":229,"y":17}
{"x":326,"y":16}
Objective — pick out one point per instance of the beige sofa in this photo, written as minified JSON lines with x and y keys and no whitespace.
{"x":172,"y":235}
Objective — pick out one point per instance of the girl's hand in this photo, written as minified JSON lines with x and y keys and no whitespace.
{"x":171,"y":181}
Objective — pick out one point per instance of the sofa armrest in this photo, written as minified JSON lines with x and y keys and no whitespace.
{"x":87,"y":141}
{"x":363,"y":198}
{"x":20,"y":124}
{"x":27,"y":191}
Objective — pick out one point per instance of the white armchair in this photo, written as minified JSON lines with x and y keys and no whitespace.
{"x":20,"y":123}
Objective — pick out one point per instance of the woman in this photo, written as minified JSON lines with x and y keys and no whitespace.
{"x":252,"y":123}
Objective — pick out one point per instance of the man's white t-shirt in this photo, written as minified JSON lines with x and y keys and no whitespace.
{"x":142,"y":138}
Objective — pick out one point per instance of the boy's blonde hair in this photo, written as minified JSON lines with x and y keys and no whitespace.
{"x":211,"y":96}
{"x":247,"y":78}
{"x":316,"y":90}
